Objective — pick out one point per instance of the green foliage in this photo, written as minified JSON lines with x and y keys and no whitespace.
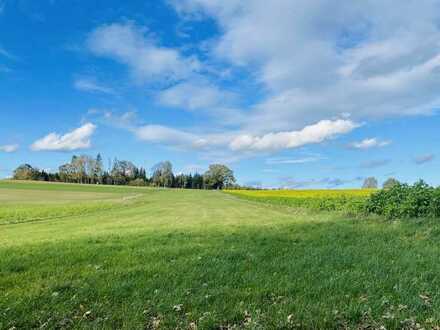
{"x":88,"y":170}
{"x":406,"y":201}
{"x":218,"y":176}
{"x":25,"y":172}
{"x":399,"y":201}
{"x":390,"y":183}
{"x":370,"y":183}
{"x":163,"y":174}
{"x":137,"y":183}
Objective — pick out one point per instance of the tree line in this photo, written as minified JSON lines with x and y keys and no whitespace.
{"x":90,"y":170}
{"x":372,"y":183}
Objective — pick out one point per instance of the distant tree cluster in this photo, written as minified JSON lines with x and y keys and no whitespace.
{"x":372,"y":183}
{"x":90,"y":170}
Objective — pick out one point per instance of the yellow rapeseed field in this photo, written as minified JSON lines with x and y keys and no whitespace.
{"x":310,"y":193}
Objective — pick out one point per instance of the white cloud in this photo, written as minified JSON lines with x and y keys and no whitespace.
{"x":299,"y":64}
{"x":366,"y":58}
{"x":91,"y":85}
{"x":130,"y":45}
{"x":74,"y":140}
{"x":200,"y":95}
{"x":203,"y":97}
{"x":316,"y":133}
{"x":243,"y":143}
{"x":7,"y":54}
{"x":163,"y":134}
{"x":283,"y":161}
{"x":9,"y":148}
{"x":179,"y":138}
{"x":369,"y":143}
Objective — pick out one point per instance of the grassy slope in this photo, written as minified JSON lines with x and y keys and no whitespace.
{"x":205,"y":257}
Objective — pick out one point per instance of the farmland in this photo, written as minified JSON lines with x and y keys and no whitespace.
{"x":349,"y":201}
{"x":77,"y":256}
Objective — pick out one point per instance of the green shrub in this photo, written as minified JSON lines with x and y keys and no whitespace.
{"x":406,"y":201}
{"x":398,"y":201}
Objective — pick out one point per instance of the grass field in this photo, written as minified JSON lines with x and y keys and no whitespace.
{"x":167,"y":259}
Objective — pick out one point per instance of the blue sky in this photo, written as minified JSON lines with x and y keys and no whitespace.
{"x":302,"y":94}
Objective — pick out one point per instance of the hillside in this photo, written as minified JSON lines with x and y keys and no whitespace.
{"x":74,"y":256}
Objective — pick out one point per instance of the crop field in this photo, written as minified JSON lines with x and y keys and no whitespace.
{"x":349,"y":201}
{"x":98,"y":257}
{"x":311,"y":193}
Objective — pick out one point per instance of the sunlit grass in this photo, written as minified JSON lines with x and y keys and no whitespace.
{"x":179,"y":259}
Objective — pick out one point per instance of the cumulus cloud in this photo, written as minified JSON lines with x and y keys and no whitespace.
{"x":300,"y":64}
{"x":131,"y":45}
{"x":91,"y":85}
{"x":244,"y":144}
{"x":369,"y":143}
{"x":9,"y":148}
{"x":365,"y":59}
{"x":423,"y":159}
{"x":77,"y":139}
{"x":316,"y":133}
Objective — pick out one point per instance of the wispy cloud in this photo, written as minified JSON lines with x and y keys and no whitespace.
{"x":91,"y":85}
{"x":423,"y":159}
{"x":195,"y":95}
{"x":375,"y":163}
{"x":369,"y":143}
{"x":131,"y":45}
{"x":9,"y":148}
{"x":276,"y":161}
{"x":77,"y":139}
{"x":292,"y":183}
{"x":7,"y":54}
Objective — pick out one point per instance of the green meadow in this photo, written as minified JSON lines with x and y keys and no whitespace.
{"x":97,"y":257}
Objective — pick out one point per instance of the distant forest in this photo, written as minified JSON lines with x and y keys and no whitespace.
{"x":90,"y":170}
